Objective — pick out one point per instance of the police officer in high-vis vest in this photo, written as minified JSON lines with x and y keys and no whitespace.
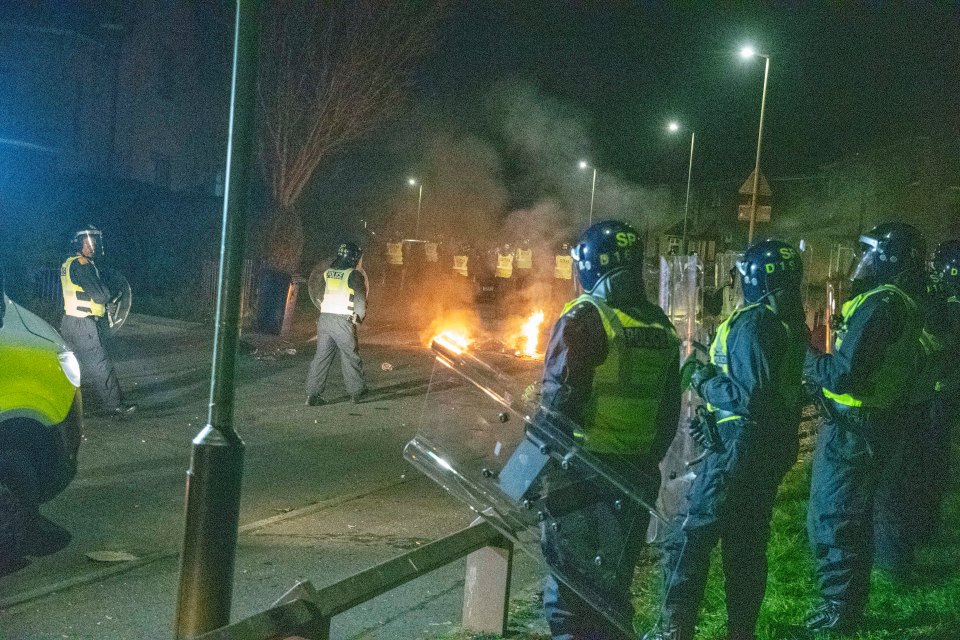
{"x":750,"y":429}
{"x":503,"y":281}
{"x":868,"y":383}
{"x":562,"y":284}
{"x":612,"y":368}
{"x":394,"y":272}
{"x":463,"y":275}
{"x":945,"y":406}
{"x":926,"y":469}
{"x":85,"y":300}
{"x":342,"y":307}
{"x":523,"y":265}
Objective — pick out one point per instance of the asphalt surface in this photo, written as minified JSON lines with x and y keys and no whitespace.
{"x":346,"y":460}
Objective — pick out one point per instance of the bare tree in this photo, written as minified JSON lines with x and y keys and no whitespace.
{"x":331,"y":70}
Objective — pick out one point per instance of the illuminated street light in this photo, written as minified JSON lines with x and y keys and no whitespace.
{"x":748,"y":52}
{"x":414,"y":183}
{"x":673,"y":127}
{"x":584,"y":165}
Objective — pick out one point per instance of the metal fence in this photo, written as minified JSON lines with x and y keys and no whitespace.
{"x":305,"y":612}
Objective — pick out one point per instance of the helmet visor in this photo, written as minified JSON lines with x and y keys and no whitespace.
{"x":90,"y":242}
{"x":862,"y":266}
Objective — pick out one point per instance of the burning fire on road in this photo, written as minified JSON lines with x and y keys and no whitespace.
{"x":528,"y":341}
{"x":519,"y":336}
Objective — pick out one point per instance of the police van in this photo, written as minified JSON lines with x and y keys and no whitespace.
{"x":41,"y":416}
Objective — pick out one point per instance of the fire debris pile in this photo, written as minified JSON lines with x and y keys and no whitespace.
{"x":522,"y":337}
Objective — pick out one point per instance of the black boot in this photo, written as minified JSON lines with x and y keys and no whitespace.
{"x":832,"y":615}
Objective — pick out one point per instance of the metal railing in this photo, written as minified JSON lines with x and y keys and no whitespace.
{"x":305,"y":612}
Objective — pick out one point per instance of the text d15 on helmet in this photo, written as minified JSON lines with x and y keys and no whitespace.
{"x":768,"y":267}
{"x":605,"y":249}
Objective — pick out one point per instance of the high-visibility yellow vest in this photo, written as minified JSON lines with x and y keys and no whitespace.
{"x":504,"y":265}
{"x":76,"y":301}
{"x":894,"y":378}
{"x":524,"y":258}
{"x":430,"y":249}
{"x":563,"y":267}
{"x":395,"y":253}
{"x":719,"y":356}
{"x":337,"y":294}
{"x":460,"y":265}
{"x":621,"y":415}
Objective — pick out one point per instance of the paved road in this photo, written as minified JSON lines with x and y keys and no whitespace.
{"x":128,"y":495}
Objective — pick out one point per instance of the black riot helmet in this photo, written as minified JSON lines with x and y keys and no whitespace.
{"x":770,"y":267}
{"x":90,"y":236}
{"x":890,"y":252}
{"x":348,"y":255}
{"x":946,"y":265}
{"x":606,"y":252}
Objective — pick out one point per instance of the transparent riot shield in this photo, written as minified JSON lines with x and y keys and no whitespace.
{"x":485,"y":438}
{"x":842,"y":260}
{"x":681,"y":284}
{"x":726,"y":281}
{"x":121,"y":298}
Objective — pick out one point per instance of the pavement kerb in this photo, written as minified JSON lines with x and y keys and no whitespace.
{"x":108,"y":572}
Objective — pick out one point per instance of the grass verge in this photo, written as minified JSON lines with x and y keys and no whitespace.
{"x":926,"y":609}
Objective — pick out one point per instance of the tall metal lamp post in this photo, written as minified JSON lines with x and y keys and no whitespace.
{"x":584,"y":165}
{"x":746,"y":53}
{"x":674,"y":127}
{"x":216,"y":463}
{"x":413,"y":182}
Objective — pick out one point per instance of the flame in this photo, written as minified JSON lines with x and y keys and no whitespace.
{"x":458,"y":328}
{"x":530,"y":335}
{"x":453,"y":340}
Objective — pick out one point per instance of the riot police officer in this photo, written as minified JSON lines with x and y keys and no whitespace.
{"x":611,"y":367}
{"x":503,"y":279}
{"x":867,"y":382}
{"x":926,"y":472}
{"x":85,"y":301}
{"x":342,"y":307}
{"x":752,"y":389}
{"x":562,"y":285}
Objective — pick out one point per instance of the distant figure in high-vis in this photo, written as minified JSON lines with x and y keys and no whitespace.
{"x":343,"y":306}
{"x":85,"y":301}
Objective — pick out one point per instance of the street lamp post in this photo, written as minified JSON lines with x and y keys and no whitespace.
{"x":674,"y":127}
{"x":414,"y":183}
{"x":749,"y":52}
{"x":593,"y":189}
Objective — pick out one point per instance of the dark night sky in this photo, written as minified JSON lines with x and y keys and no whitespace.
{"x":840,"y":80}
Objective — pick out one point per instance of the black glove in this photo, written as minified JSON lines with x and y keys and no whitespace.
{"x":700,"y":376}
{"x":704,"y":431}
{"x":689,"y":366}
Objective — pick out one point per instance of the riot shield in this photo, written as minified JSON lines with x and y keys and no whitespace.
{"x":681,"y":280}
{"x":121,"y":298}
{"x":486,"y":439}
